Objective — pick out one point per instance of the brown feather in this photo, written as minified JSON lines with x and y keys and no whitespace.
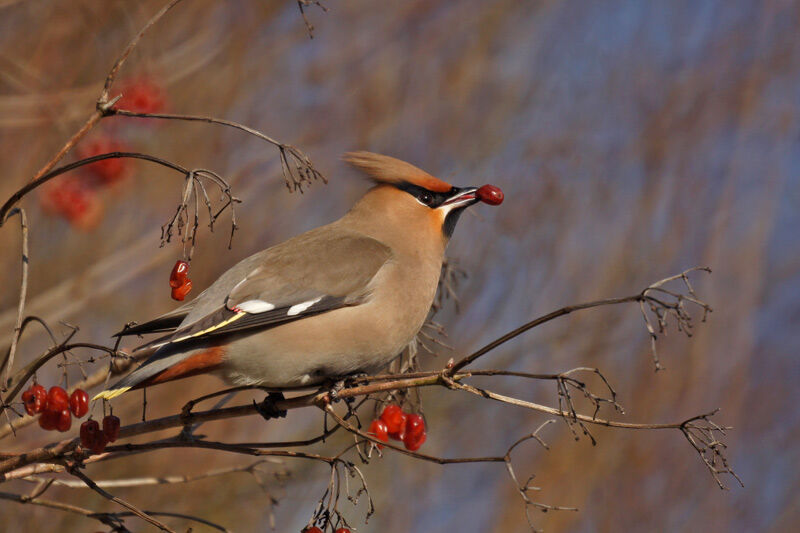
{"x":385,"y":169}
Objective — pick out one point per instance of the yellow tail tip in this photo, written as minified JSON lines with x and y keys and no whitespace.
{"x":110,"y":394}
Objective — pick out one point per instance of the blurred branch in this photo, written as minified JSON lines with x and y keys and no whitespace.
{"x":161,"y":480}
{"x":302,"y":4}
{"x":8,"y":362}
{"x":103,"y":104}
{"x":109,"y":519}
{"x":17,"y":196}
{"x":141,"y":514}
{"x":112,"y":74}
{"x":297,"y":167}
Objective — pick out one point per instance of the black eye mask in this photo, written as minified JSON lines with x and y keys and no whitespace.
{"x":426,"y":197}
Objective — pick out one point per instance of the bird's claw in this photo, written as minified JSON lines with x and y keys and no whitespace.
{"x":343,"y":383}
{"x":268,"y":408}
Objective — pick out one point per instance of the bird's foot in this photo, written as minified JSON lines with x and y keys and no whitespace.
{"x":343,"y":383}
{"x":268,"y":408}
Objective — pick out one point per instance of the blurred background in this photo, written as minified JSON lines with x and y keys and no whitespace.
{"x":633,"y":140}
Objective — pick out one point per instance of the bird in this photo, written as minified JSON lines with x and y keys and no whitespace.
{"x":342,"y":299}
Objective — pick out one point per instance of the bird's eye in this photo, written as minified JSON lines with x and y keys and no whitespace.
{"x":426,"y":198}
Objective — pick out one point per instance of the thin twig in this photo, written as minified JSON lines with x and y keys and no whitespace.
{"x":23,"y":291}
{"x":141,"y":514}
{"x":297,"y":166}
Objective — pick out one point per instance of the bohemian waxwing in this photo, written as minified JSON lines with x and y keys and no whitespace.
{"x":343,"y":298}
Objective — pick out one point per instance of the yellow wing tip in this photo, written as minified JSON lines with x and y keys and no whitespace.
{"x":110,"y":394}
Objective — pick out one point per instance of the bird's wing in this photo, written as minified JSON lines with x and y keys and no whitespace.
{"x":166,"y":322}
{"x":311,"y":274}
{"x":308,"y":275}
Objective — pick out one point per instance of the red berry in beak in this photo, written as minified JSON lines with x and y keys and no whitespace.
{"x":489,"y":194}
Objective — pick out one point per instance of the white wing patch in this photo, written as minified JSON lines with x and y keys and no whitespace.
{"x":255,"y":306}
{"x":299,"y":308}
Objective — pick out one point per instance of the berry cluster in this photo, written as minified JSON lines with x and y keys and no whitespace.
{"x":76,"y":197}
{"x":56,"y":406}
{"x":179,"y":280}
{"x":73,"y":199}
{"x":142,"y":95}
{"x":95,"y":438}
{"x":315,"y":529}
{"x":396,"y":424}
{"x":105,"y":171}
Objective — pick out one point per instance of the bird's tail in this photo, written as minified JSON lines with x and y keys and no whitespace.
{"x":163,"y":367}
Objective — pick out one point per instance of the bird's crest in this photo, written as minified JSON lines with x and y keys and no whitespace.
{"x":385,"y":169}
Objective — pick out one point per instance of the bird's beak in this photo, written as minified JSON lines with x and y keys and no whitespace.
{"x":460,"y":197}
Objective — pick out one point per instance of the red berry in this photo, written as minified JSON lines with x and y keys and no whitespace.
{"x":379,"y":430}
{"x":489,"y":194}
{"x":40,"y":392}
{"x":142,"y":95}
{"x":92,"y":437}
{"x":179,"y":274}
{"x":342,"y":530}
{"x":395,"y":420}
{"x":180,"y":293}
{"x":415,"y":432}
{"x":89,"y":432}
{"x":34,"y":400}
{"x":111,"y":427}
{"x":64,"y":421}
{"x":107,"y":170}
{"x":57,"y":399}
{"x":79,"y":402}
{"x":48,"y":420}
{"x":73,"y":200}
{"x":100,"y":443}
{"x":314,"y":529}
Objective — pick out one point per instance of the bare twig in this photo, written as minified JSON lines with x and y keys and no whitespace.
{"x":523,"y":490}
{"x":298,"y":170}
{"x":8,"y":362}
{"x":141,"y":514}
{"x":301,"y":4}
{"x":662,"y":309}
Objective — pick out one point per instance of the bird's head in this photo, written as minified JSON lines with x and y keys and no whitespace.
{"x":411,"y":196}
